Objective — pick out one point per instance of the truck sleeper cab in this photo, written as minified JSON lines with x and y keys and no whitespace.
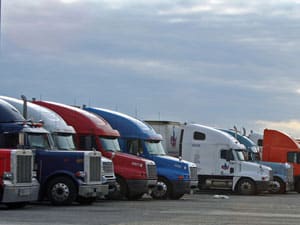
{"x":64,"y":176}
{"x":221,"y":161}
{"x":134,"y":175}
{"x":218,"y":156}
{"x":62,"y":134}
{"x":281,"y":147}
{"x":282,"y":172}
{"x":18,"y":186}
{"x":175,"y":177}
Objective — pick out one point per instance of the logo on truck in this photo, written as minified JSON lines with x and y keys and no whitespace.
{"x":173,"y":138}
{"x":225,"y":166}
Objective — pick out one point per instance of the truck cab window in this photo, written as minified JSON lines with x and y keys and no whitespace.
{"x":199,"y":136}
{"x":154,"y":147}
{"x":87,"y":142}
{"x":64,"y":141}
{"x":260,"y":142}
{"x":293,"y":157}
{"x":38,"y":141}
{"x":110,"y":144}
{"x":135,"y":147}
{"x":9,"y":140}
{"x":227,"y":155}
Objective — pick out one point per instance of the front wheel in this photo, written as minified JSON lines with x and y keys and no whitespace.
{"x":246,"y":187}
{"x":280,"y":186}
{"x":162,"y":189}
{"x":61,"y":191}
{"x":297,"y":186}
{"x":121,"y":190}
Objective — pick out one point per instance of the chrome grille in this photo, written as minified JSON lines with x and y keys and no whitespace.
{"x":193,"y":173}
{"x":152,"y":172}
{"x":290,"y":174}
{"x":108,"y":167}
{"x":95,"y":168}
{"x":271,"y":175}
{"x":24,"y":169}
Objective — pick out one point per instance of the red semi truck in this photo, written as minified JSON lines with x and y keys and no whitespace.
{"x":281,"y":147}
{"x":134,"y":175}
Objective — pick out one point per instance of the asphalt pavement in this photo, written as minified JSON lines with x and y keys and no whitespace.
{"x":204,"y":208}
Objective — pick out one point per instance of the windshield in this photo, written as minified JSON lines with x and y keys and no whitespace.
{"x":252,"y":154}
{"x":64,"y":141}
{"x":155,"y":148}
{"x":240,"y":154}
{"x":38,"y":141}
{"x":110,"y":144}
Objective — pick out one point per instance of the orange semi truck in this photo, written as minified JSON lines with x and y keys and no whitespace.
{"x":281,"y":147}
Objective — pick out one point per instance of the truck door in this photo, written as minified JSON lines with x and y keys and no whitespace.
{"x":226,"y":165}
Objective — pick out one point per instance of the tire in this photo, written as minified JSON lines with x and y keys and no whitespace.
{"x":297,"y":186}
{"x":281,"y":189}
{"x":121,"y":190}
{"x":162,"y":189}
{"x":246,"y":187}
{"x":61,"y":191}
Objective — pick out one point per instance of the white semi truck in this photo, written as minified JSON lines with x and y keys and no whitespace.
{"x":219,"y":157}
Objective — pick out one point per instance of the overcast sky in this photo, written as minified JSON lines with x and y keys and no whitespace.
{"x":218,"y":63}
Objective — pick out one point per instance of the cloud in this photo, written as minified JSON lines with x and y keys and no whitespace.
{"x":238,"y":59}
{"x":291,"y":127}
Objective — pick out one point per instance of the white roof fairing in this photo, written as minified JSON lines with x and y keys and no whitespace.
{"x":51,"y":120}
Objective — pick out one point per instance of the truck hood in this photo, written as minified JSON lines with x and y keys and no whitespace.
{"x":128,"y":157}
{"x":171,"y":162}
{"x":248,"y":168}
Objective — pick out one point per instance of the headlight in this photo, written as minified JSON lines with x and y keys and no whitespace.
{"x":8,"y":176}
{"x":80,"y":174}
{"x":34,"y":174}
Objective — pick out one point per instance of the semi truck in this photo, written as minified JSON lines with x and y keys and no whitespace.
{"x":281,"y":147}
{"x":175,"y":176}
{"x":62,"y":134}
{"x":18,"y":186}
{"x":64,"y":176}
{"x":134,"y":175}
{"x":282,"y":172}
{"x":219,"y":157}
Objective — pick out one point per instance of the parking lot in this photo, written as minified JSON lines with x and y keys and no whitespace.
{"x":199,"y":209}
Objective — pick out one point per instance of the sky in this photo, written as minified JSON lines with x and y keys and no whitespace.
{"x":218,"y":63}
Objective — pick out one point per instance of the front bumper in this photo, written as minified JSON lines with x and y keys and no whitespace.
{"x":137,"y":187}
{"x":181,"y":187}
{"x":262,"y":186}
{"x":289,"y":186}
{"x":111,"y":182}
{"x":20,"y":193}
{"x":92,"y":190}
{"x":193,"y":184}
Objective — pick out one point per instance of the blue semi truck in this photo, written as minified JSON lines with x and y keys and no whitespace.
{"x":282,"y":172}
{"x":175,"y":176}
{"x":64,"y":176}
